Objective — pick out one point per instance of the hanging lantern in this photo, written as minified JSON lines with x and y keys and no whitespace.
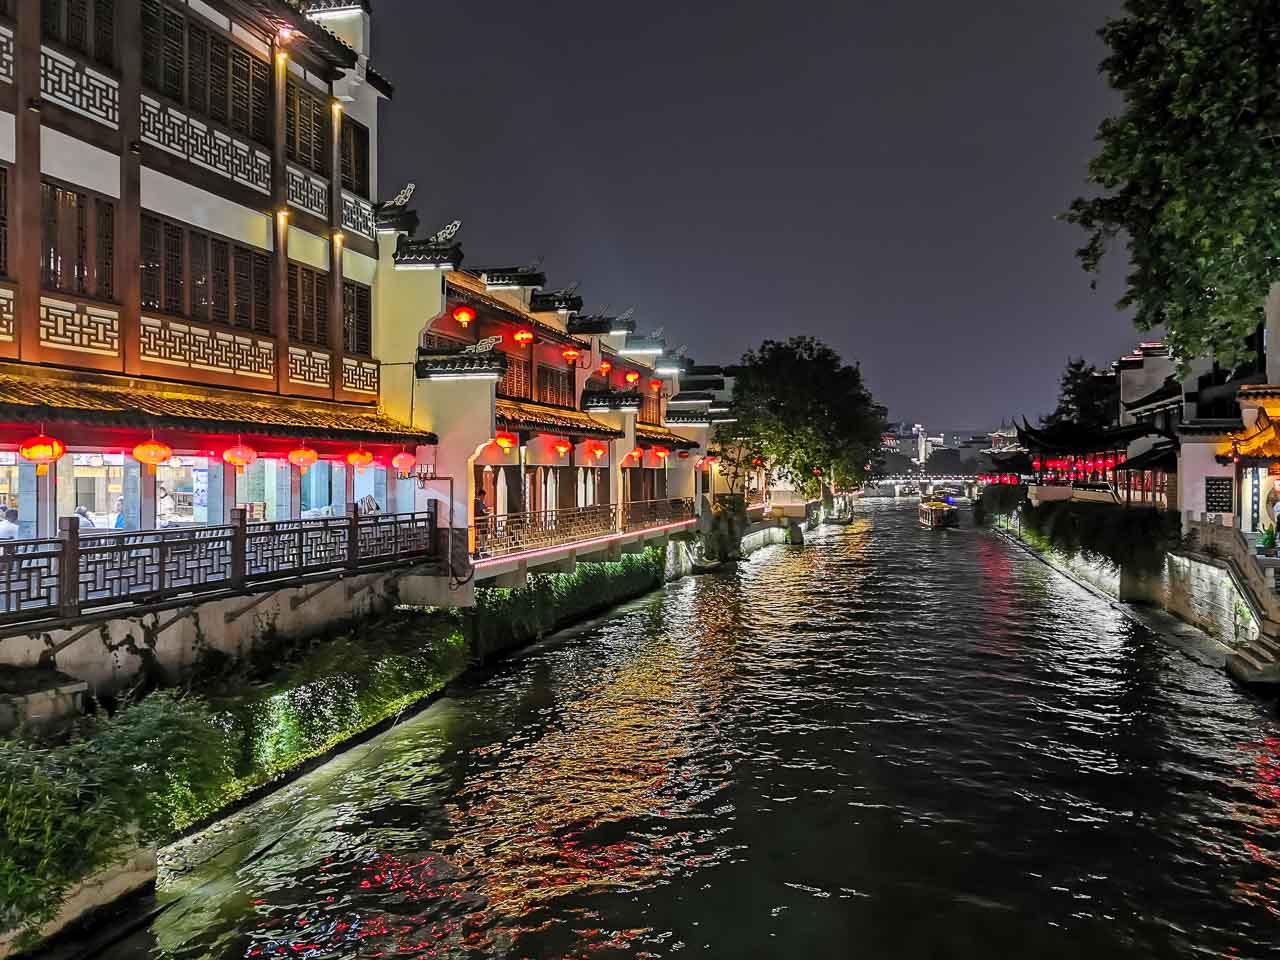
{"x":152,"y":452}
{"x":683,"y":454}
{"x":655,"y":385}
{"x":404,"y":462}
{"x":42,"y":450}
{"x":562,"y":447}
{"x":507,"y":441}
{"x":636,"y":454}
{"x":463,"y":315}
{"x":360,"y":458}
{"x":571,"y":354}
{"x":661,"y":453}
{"x":522,"y":336}
{"x":1035,"y":464}
{"x":303,"y":458}
{"x":239,"y":456}
{"x":632,"y":377}
{"x":605,"y":367}
{"x":598,"y":450}
{"x":757,"y":462}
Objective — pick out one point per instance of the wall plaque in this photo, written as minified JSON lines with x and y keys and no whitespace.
{"x":1219,"y":495}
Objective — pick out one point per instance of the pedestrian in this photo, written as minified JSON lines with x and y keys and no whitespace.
{"x":119,"y":521}
{"x":85,"y":519}
{"x":9,"y":525}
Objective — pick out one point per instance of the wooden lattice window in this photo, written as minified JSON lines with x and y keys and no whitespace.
{"x":4,"y":221}
{"x":105,"y":247}
{"x":515,"y":383}
{"x":357,"y":318}
{"x":355,"y":156}
{"x":196,"y":64}
{"x":86,"y":26}
{"x":63,"y":262}
{"x":651,"y":409}
{"x":306,"y":129}
{"x":208,"y":278}
{"x":555,"y":386}
{"x":308,"y":305}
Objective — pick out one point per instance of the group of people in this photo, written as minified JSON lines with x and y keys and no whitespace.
{"x":165,"y":505}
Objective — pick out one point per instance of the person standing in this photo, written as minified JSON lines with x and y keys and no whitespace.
{"x":9,"y":525}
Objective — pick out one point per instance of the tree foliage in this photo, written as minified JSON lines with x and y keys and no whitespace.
{"x":1188,"y":171}
{"x":1086,"y":397}
{"x":806,"y":412}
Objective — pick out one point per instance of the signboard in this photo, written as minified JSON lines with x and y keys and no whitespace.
{"x":1219,"y":495}
{"x":1274,"y":470}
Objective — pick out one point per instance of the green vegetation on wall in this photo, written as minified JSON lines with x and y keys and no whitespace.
{"x":999,"y":500}
{"x":1133,"y":539}
{"x":162,"y":764}
{"x":511,"y":617}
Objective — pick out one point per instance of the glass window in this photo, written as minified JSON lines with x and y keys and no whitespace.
{"x":263,"y":490}
{"x":182,"y":492}
{"x":92,"y":486}
{"x":371,"y":489}
{"x":324,"y":490}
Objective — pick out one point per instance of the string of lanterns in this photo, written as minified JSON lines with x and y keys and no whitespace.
{"x":44,"y":450}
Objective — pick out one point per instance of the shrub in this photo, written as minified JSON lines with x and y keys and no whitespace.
{"x":1135,"y":539}
{"x":999,"y":500}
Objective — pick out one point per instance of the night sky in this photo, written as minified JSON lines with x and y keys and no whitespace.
{"x":882,"y":175}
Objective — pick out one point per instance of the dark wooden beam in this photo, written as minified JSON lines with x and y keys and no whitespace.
{"x":128,"y":252}
{"x":279,"y":216}
{"x":27,"y":227}
{"x":337,"y":338}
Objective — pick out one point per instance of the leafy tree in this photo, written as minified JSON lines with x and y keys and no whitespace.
{"x":891,"y":464}
{"x":1188,"y":170}
{"x":806,"y":412}
{"x":1086,"y":396}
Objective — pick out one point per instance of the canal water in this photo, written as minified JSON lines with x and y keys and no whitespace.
{"x":887,"y":743}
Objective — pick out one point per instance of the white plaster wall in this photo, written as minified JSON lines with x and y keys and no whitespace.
{"x":66,"y":158}
{"x":461,"y":414}
{"x":1195,"y":463}
{"x":182,"y":201}
{"x":358,"y":267}
{"x":1138,"y":382}
{"x":404,"y":302}
{"x":8,"y":136}
{"x":306,"y":247}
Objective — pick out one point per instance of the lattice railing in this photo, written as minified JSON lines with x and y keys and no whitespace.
{"x":29,"y":578}
{"x":90,"y":570}
{"x":504,"y":534}
{"x":641,"y":514}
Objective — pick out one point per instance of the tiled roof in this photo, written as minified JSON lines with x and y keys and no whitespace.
{"x":648,"y":433}
{"x":452,"y":363}
{"x":379,"y":82}
{"x":1168,"y":392}
{"x":600,"y":325}
{"x":566,"y":300}
{"x":440,"y":255}
{"x":509,"y":276}
{"x":288,"y":13}
{"x":472,"y":289}
{"x":38,"y":396}
{"x":687,"y":417}
{"x":611,"y":400}
{"x":522,"y":414}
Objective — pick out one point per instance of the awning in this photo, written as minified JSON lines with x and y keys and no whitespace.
{"x":648,"y":435}
{"x":31,"y":395}
{"x":1163,"y":457}
{"x":540,"y":418}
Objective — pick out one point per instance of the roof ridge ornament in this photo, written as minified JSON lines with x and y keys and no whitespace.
{"x":404,"y":196}
{"x":487,"y":345}
{"x":446,"y":233}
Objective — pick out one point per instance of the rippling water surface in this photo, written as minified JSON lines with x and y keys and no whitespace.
{"x":888,"y":743}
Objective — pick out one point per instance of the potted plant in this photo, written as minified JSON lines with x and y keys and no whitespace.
{"x":1267,"y":542}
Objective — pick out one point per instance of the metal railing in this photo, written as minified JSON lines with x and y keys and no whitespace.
{"x":641,"y":514}
{"x":86,"y":570}
{"x":504,"y":534}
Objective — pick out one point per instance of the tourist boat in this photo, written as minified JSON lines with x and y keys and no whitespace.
{"x":937,"y":514}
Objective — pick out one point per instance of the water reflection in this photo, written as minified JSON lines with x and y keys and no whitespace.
{"x":888,"y":743}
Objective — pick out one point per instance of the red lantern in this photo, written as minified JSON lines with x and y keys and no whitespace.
{"x":562,"y":447}
{"x":683,"y":454}
{"x":1035,"y":464}
{"x":303,"y":458}
{"x":506,"y":441}
{"x":571,"y":354}
{"x":661,"y":453}
{"x":42,"y":450}
{"x":404,"y":462}
{"x":463,"y":315}
{"x":523,"y":336}
{"x":598,"y":450}
{"x":360,"y":458}
{"x":655,"y":385}
{"x":757,"y":462}
{"x":605,"y":367}
{"x":152,"y":452}
{"x":636,"y":454}
{"x":239,"y":456}
{"x":632,"y":377}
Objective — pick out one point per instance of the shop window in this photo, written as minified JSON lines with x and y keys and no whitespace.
{"x":263,"y":490}
{"x":11,"y":498}
{"x":92,"y":486}
{"x":324,"y":491}
{"x":371,"y":490}
{"x":182,"y":492}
